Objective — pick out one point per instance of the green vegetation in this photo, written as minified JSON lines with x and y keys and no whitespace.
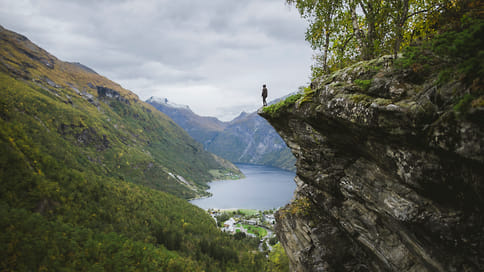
{"x":456,"y":53}
{"x":463,"y":105}
{"x":86,"y":221}
{"x":224,"y":174}
{"x":222,"y":218}
{"x":441,"y":39}
{"x":463,"y":46}
{"x":344,"y":32}
{"x":416,"y":58}
{"x":364,"y":84}
{"x":273,"y":240}
{"x":273,"y":109}
{"x":359,"y":98}
{"x":247,"y":212}
{"x":444,"y":76}
{"x":155,"y":236}
{"x":308,"y":94}
{"x":258,"y":231}
{"x":300,"y":206}
{"x":116,"y":136}
{"x":83,"y":174}
{"x":278,"y":261}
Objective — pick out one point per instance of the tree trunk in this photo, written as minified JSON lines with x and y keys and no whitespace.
{"x":325,"y":52}
{"x":400,"y":22}
{"x":356,"y":28}
{"x":371,"y":35}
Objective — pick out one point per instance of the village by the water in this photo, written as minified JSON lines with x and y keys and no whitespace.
{"x":244,"y":223}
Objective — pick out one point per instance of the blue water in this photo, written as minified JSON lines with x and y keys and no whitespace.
{"x":263,"y":188}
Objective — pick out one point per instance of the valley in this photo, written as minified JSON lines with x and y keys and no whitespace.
{"x":248,"y":138}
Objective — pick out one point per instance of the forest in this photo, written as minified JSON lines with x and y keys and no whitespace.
{"x":343,"y":32}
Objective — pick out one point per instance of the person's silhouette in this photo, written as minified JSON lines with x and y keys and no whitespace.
{"x":264,"y":95}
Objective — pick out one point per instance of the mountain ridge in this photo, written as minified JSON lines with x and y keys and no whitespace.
{"x":106,"y":100}
{"x":247,"y":138}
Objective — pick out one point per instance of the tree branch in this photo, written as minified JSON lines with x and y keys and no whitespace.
{"x":415,"y":13}
{"x":438,"y":8}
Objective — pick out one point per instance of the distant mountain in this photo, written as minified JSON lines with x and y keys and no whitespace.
{"x":246,"y":139}
{"x":251,"y":139}
{"x":201,"y":128}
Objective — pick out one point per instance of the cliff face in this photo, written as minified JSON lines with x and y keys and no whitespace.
{"x":390,"y":170}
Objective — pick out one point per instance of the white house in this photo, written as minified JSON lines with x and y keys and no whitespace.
{"x":229,"y":225}
{"x":269,"y":218}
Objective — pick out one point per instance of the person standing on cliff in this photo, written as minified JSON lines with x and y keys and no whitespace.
{"x":264,"y":95}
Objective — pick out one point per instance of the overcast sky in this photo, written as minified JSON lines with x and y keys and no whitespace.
{"x":212,"y":55}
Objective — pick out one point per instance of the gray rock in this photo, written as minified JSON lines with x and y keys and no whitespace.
{"x":388,"y":179}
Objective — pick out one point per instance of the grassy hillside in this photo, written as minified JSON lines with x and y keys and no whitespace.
{"x":93,"y":124}
{"x":82,"y":170}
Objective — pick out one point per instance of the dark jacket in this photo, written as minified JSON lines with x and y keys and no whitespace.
{"x":264,"y":92}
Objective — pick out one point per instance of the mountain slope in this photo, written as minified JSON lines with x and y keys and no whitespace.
{"x":201,"y":128}
{"x":81,"y":159}
{"x":246,"y":139}
{"x":251,"y":139}
{"x":102,"y":126}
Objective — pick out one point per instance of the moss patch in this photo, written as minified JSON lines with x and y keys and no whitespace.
{"x":273,"y":109}
{"x":308,"y":94}
{"x":364,"y":84}
{"x":463,"y":105}
{"x":360,"y":98}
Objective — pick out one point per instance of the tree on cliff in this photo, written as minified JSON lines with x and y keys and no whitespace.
{"x":344,"y":31}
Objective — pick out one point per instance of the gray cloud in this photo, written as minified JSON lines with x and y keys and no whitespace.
{"x":194,"y":52}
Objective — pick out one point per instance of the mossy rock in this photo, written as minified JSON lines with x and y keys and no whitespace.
{"x":272,"y":110}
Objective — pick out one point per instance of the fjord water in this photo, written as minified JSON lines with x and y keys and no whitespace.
{"x":263,"y":188}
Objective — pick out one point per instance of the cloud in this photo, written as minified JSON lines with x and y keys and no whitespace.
{"x":212,"y":55}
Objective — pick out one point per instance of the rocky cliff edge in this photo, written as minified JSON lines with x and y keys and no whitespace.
{"x":390,"y":169}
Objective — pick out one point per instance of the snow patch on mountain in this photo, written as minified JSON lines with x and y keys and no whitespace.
{"x":166,"y":102}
